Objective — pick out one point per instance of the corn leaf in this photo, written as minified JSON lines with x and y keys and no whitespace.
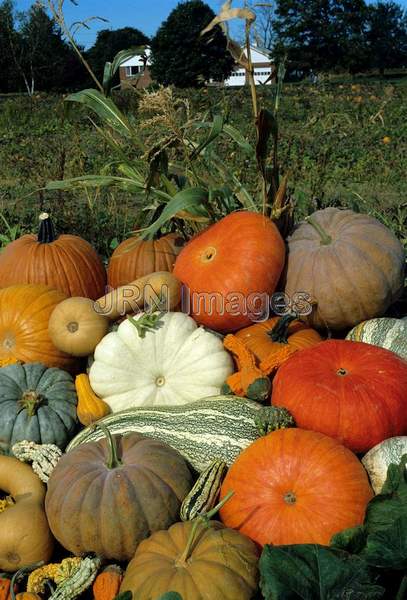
{"x":216,"y":130}
{"x":105,"y":108}
{"x":95,"y":181}
{"x":240,"y":140}
{"x":192,"y":200}
{"x":227,"y":13}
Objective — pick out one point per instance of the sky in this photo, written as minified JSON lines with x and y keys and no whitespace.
{"x":146,"y":15}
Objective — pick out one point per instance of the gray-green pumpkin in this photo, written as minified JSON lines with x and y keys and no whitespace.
{"x":36,"y":404}
{"x":384,"y":332}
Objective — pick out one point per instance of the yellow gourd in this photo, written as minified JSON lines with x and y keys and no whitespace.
{"x":90,"y":408}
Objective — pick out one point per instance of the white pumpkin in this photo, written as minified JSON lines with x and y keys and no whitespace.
{"x":174,"y":364}
{"x":378,"y":459}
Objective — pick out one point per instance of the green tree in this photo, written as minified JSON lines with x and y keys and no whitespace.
{"x":10,"y":49}
{"x":322,"y":34}
{"x":181,"y":57}
{"x":387,"y":36}
{"x":109,"y":43}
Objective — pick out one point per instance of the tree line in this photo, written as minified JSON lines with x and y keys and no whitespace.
{"x":309,"y":35}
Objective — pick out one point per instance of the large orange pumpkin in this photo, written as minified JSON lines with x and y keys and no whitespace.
{"x":66,"y":262}
{"x":295,"y":487}
{"x":268,"y":337}
{"x":135,"y":258}
{"x":24,"y":314}
{"x":230,"y":270}
{"x":354,"y":392}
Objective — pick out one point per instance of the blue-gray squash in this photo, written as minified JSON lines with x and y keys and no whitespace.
{"x":36,"y":404}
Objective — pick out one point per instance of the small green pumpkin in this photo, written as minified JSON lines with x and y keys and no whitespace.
{"x":37,"y":404}
{"x":381,"y":456}
{"x":384,"y":332}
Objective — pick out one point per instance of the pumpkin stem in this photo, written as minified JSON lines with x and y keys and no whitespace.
{"x":325,"y":238}
{"x":30,"y":400}
{"x":46,"y":232}
{"x":202,"y":520}
{"x":279,"y":333}
{"x":113,"y":460}
{"x":146,"y":322}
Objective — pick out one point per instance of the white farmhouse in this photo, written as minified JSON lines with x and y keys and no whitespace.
{"x":262,"y":69}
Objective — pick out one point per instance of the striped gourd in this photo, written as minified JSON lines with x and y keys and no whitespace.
{"x":219,"y":427}
{"x":202,"y":497}
{"x":385,"y":332}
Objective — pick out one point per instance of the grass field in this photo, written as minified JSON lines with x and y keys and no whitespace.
{"x":341,"y":144}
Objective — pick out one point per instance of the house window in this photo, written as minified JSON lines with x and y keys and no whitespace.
{"x":130,"y":71}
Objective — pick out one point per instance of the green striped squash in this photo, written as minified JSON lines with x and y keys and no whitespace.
{"x":385,"y":332}
{"x":215,"y":428}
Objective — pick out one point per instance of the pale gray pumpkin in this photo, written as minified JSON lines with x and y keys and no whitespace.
{"x":349,"y":264}
{"x":385,"y":332}
{"x":37,"y":404}
{"x":378,"y":459}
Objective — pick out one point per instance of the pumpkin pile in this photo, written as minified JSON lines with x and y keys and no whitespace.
{"x":226,"y":400}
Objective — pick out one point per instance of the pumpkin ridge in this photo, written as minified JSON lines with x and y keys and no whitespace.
{"x":381,"y":273}
{"x":95,"y":271}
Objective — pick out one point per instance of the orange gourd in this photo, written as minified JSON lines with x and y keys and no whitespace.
{"x":351,"y":391}
{"x":267,"y":338}
{"x":229,"y":268}
{"x":24,"y":314}
{"x":28,"y":596}
{"x":259,"y":350}
{"x":135,"y":258}
{"x":107,"y":584}
{"x":295,"y":487}
{"x":90,"y":407}
{"x":67,"y":262}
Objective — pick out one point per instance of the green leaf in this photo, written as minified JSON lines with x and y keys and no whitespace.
{"x":170,"y":596}
{"x":105,"y":108}
{"x":352,"y":540}
{"x":191,"y":199}
{"x":240,"y":140}
{"x":216,"y":130}
{"x":314,"y":572}
{"x":385,"y":508}
{"x":387,"y":548}
{"x":402,"y":592}
{"x":95,"y":181}
{"x":124,"y":596}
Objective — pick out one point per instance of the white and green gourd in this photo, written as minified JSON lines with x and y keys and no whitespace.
{"x":80,"y":580}
{"x":380,"y":457}
{"x":203,"y":495}
{"x":158,"y":360}
{"x":214,"y":428}
{"x":384,"y":332}
{"x":43,"y":457}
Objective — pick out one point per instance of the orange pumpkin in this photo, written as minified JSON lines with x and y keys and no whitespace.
{"x":66,"y":262}
{"x":135,"y":258}
{"x":230,"y":269}
{"x":295,"y":487}
{"x":352,"y":391}
{"x":24,"y":314}
{"x":269,"y":337}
